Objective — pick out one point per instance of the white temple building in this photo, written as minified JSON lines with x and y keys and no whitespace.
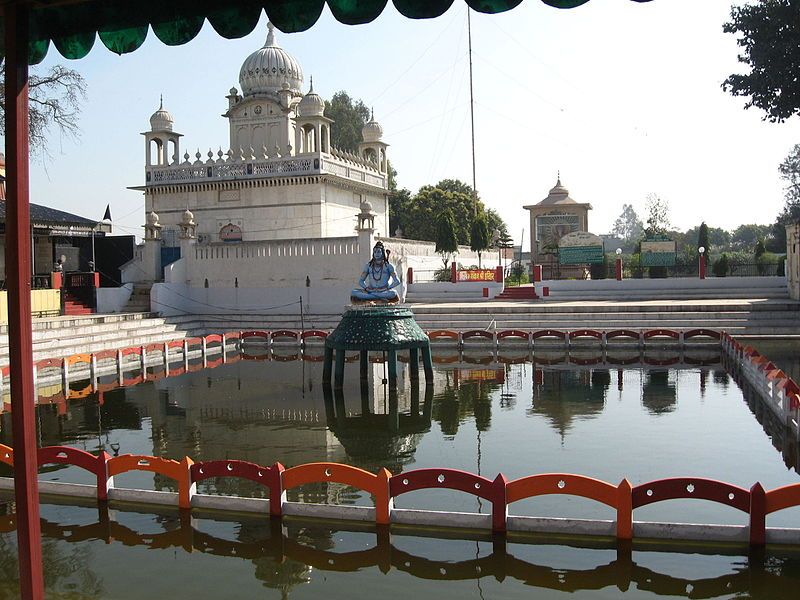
{"x":278,"y":216}
{"x":279,"y":177}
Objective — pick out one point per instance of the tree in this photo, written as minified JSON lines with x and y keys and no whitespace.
{"x":702,"y":238}
{"x":790,"y":173}
{"x":479,"y":238}
{"x":745,"y":237}
{"x":658,"y":215}
{"x":628,"y":226}
{"x":418,"y":215}
{"x":54,"y":99}
{"x":446,"y":241}
{"x":494,"y":222}
{"x":349,"y":117}
{"x":768,"y":32}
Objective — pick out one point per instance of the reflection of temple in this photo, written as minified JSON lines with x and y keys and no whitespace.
{"x":563,"y":396}
{"x":659,"y":394}
{"x":465,"y":394}
{"x":376,"y":436}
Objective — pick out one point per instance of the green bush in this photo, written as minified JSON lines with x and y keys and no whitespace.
{"x":721,"y":266}
{"x":599,"y":270}
{"x":442,"y":275}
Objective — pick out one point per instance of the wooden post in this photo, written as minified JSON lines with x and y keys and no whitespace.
{"x":327,"y":365}
{"x":427,"y":363}
{"x":18,"y":280}
{"x":338,"y":372}
{"x":391,"y":358}
{"x":364,"y":365}
{"x":413,"y":364}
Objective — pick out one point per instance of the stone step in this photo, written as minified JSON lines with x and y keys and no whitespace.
{"x":114,"y":329}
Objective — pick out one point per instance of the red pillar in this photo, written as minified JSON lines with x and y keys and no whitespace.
{"x":453,"y":272}
{"x":18,"y":279}
{"x":702,"y":266}
{"x":618,"y":268}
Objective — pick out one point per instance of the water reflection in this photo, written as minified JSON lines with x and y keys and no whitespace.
{"x":563,"y":396}
{"x":292,"y":553}
{"x":270,"y":406}
{"x":379,"y":436}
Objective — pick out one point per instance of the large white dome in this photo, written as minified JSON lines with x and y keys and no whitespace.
{"x":266,"y":70}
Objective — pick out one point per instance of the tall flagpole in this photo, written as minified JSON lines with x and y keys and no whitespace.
{"x":472,"y":111}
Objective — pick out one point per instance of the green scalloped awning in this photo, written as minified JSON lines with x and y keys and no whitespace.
{"x":123,"y":25}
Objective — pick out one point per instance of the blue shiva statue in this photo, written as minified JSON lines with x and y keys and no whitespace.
{"x":377,"y":281}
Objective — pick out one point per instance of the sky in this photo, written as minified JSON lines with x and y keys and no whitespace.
{"x":622,"y":98}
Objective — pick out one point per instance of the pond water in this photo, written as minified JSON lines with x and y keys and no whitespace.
{"x":668,"y":414}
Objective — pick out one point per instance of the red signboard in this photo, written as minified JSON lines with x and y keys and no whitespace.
{"x":475,"y":275}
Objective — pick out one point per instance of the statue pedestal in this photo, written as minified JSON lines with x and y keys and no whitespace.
{"x":378,"y":328}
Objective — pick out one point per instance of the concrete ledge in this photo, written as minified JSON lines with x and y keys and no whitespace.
{"x":329,"y":511}
{"x":230,"y":503}
{"x":432,"y":518}
{"x":693,"y":532}
{"x":143,"y":496}
{"x":562,"y":526}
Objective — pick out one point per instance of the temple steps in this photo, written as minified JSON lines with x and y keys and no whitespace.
{"x":744,"y":317}
{"x":62,"y":336}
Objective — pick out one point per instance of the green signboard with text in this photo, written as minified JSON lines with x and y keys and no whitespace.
{"x":580,"y":255}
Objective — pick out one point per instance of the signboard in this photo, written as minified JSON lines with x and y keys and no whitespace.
{"x":580,"y":248}
{"x":475,"y":275}
{"x":657,"y":253}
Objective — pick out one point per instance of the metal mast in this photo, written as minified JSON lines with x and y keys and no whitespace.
{"x":472,"y":108}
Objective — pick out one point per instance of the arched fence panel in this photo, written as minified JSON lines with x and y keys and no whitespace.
{"x":179,"y":471}
{"x":454,"y":479}
{"x":64,"y":455}
{"x":685,"y":488}
{"x":270,"y":477}
{"x":617,"y":497}
{"x":707,"y":333}
{"x":323,"y":472}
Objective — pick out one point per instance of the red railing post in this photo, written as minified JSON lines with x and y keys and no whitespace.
{"x":18,"y":278}
{"x":618,"y":268}
{"x":498,"y":274}
{"x":758,"y":515}
{"x":453,"y":272}
{"x":701,"y":266}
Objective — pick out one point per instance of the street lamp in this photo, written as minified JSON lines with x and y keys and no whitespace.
{"x":618,"y":265}
{"x":702,"y":262}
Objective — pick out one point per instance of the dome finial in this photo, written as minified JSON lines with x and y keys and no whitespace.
{"x":558,"y":180}
{"x":372,"y":114}
{"x":161,"y":103}
{"x":311,"y":89}
{"x":270,"y":34}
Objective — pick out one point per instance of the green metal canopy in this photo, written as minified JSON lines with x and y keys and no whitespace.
{"x":122,"y":25}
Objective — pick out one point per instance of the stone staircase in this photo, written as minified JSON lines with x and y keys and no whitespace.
{"x":140,"y":299}
{"x":520,"y":292}
{"x":756,"y":317}
{"x":57,"y":337}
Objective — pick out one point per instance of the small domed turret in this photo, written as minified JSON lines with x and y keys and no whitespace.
{"x":312,"y":105}
{"x":161,"y":120}
{"x":372,"y":131}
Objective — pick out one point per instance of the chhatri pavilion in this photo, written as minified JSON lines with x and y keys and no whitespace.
{"x":279,"y":177}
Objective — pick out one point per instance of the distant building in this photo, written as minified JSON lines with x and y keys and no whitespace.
{"x":553,"y":218}
{"x":55,"y":233}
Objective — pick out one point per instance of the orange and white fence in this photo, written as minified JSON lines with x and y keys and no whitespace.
{"x":623,"y":498}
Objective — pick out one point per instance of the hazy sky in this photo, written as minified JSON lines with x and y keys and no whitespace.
{"x":623,"y":98}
